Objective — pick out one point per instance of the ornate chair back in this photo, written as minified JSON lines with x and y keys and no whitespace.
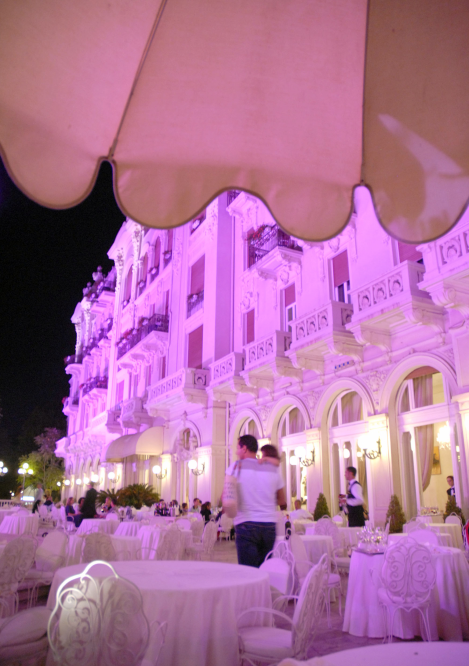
{"x":16,"y":560}
{"x":209,"y":537}
{"x":112,"y":516}
{"x":300,"y":556}
{"x":197,"y":529}
{"x":50,"y":555}
{"x":98,"y":546}
{"x":98,"y":621}
{"x":408,"y":574}
{"x":424,"y":535}
{"x":454,"y":519}
{"x":309,"y":608}
{"x":183,"y":524}
{"x":327,"y":527}
{"x":170,"y":545}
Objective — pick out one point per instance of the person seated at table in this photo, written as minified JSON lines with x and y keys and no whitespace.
{"x":353,"y":503}
{"x":162,"y":509}
{"x":48,"y":503}
{"x":206,"y":511}
{"x":78,"y":517}
{"x":451,"y":492}
{"x":196,"y":505}
{"x":184,"y":509}
{"x":69,"y":510}
{"x":106,"y":507}
{"x":299,"y":513}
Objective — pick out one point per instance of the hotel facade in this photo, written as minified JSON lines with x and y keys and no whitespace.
{"x":353,"y":351}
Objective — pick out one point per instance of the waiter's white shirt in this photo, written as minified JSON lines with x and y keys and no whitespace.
{"x":357,"y":491}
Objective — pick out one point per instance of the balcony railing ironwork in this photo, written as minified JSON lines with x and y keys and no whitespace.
{"x":157,"y":322}
{"x":194,"y":303}
{"x":267,"y":239}
{"x":95,"y":383}
{"x":102,"y":333}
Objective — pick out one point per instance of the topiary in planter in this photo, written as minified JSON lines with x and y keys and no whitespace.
{"x":395,"y":516}
{"x":321,"y":509}
{"x":452,"y":507}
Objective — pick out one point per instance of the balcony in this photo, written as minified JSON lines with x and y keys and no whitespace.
{"x":70,"y":407}
{"x":390,"y":303}
{"x":103,"y":334}
{"x":266,"y":239}
{"x":195,"y":224}
{"x":231,"y":195}
{"x":157,"y":326}
{"x":154,"y":272}
{"x":98,"y":384}
{"x":226,"y":380}
{"x":186,"y":385}
{"x":107,"y":421}
{"x":133,"y":413}
{"x":194,"y":303}
{"x":104,"y":289}
{"x":267,"y":360}
{"x":167,"y":256}
{"x":320,"y":333}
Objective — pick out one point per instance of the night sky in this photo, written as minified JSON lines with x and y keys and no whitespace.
{"x":47,"y":257}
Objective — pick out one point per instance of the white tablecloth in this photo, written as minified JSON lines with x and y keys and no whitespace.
{"x":348,"y":535}
{"x":447,"y":528}
{"x":7,"y":512}
{"x":128,"y":529}
{"x":126,"y":548}
{"x":407,"y":654}
{"x":90,"y":525}
{"x":149,"y":537}
{"x":444,"y":538}
{"x":316,"y":545}
{"x":431,"y":518}
{"x":22,"y":524}
{"x":199,"y":600}
{"x":449,"y":608}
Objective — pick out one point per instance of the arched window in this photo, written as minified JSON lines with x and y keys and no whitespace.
{"x":292,"y":422}
{"x":249,"y":427}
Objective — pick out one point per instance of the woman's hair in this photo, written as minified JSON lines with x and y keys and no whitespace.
{"x":270,"y":451}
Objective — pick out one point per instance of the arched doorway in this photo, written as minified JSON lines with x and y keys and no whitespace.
{"x":291,"y":435}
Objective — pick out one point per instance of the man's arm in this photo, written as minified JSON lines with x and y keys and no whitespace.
{"x":357,"y":498}
{"x":282,"y":499}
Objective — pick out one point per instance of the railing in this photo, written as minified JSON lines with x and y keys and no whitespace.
{"x":332,"y":317}
{"x":95,"y":383}
{"x":167,"y":256}
{"x":71,"y":402}
{"x":5,"y":503}
{"x":267,"y":239}
{"x":156,"y":322}
{"x":73,"y":358}
{"x":227,"y":367}
{"x":268,"y":348}
{"x":231,"y":195}
{"x":102,"y":333}
{"x":106,"y":285}
{"x":194,"y":303}
{"x":185,"y":378}
{"x":195,"y":224}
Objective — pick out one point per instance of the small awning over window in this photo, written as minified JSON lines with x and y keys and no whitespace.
{"x":147,"y":443}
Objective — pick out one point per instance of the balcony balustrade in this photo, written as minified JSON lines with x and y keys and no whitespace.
{"x":102,"y":334}
{"x":267,"y":239}
{"x":188,"y":384}
{"x":226,"y":380}
{"x":266,"y":360}
{"x":231,"y":195}
{"x":157,"y":322}
{"x":94,"y":383}
{"x":194,"y":303}
{"x":133,"y":413}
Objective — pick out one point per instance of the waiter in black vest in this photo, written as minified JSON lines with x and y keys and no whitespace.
{"x":352,"y":504}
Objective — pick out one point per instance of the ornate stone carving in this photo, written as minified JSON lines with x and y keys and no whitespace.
{"x":264,"y":412}
{"x":119,"y":263}
{"x":177,"y":253}
{"x":374,"y":380}
{"x":313,"y":399}
{"x":211,"y":222}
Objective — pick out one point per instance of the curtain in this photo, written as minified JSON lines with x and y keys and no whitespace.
{"x":351,"y":408}
{"x":409,"y":477}
{"x":423,"y":391}
{"x":296,"y":421}
{"x":405,"y":404}
{"x":361,"y":469}
{"x":424,"y":436}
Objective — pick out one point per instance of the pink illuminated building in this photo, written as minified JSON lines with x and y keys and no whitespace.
{"x":350,"y":351}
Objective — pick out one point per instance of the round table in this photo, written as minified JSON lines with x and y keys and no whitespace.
{"x":449,"y":607}
{"x":22,"y":524}
{"x":200,"y":602}
{"x":410,"y":654}
{"x":454,"y":531}
{"x":444,"y":538}
{"x":125,"y":547}
{"x":149,"y":537}
{"x":90,"y":525}
{"x":130,"y":528}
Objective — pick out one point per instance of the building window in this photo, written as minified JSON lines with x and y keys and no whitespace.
{"x":195,"y":298}
{"x":409,"y":253}
{"x":289,"y":297}
{"x":341,"y":277}
{"x":249,"y":327}
{"x":195,"y":348}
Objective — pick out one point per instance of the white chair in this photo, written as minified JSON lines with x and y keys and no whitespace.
{"x":209,"y":538}
{"x":42,"y":511}
{"x":23,"y":638}
{"x":303,"y":565}
{"x":170,"y":545}
{"x":197,"y":529}
{"x":112,"y":516}
{"x":454,"y":519}
{"x":298,"y":527}
{"x":327,"y":527}
{"x":269,"y":645}
{"x":16,"y":560}
{"x":50,"y":555}
{"x":98,"y":546}
{"x":407,"y":579}
{"x":100,"y":622}
{"x":425,"y":535}
{"x":339,"y":519}
{"x":183,"y":523}
{"x":225,"y":526}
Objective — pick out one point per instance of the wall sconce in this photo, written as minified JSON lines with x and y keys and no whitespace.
{"x":371,"y":452}
{"x":194,"y":468}
{"x":158,"y":473}
{"x":94,"y":478}
{"x":111,"y":476}
{"x":78,"y":482}
{"x":346,"y":454}
{"x":300,"y":455}
{"x":66,"y":482}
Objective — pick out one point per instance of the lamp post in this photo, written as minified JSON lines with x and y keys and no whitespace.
{"x":3,"y":470}
{"x":23,"y":470}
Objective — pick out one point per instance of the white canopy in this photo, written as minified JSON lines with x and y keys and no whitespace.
{"x":147,"y":443}
{"x":294,"y":101}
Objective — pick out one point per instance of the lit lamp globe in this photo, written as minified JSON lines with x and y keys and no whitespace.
{"x":294,"y":461}
{"x":346,"y":454}
{"x":25,"y":465}
{"x":78,"y":482}
{"x":364,"y":442}
{"x":300,"y":452}
{"x":1,"y":463}
{"x":5,"y":469}
{"x":94,"y":478}
{"x":59,"y":484}
{"x":30,"y":471}
{"x":111,"y":476}
{"x":66,"y":482}
{"x":21,"y":471}
{"x":86,"y":480}
{"x":156,"y":469}
{"x":192,"y":464}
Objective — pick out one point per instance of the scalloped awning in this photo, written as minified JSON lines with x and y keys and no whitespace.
{"x":146,"y":443}
{"x":188,"y":98}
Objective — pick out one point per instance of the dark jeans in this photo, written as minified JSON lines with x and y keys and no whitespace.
{"x":254,"y":541}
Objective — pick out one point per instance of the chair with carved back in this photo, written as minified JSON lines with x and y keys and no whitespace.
{"x":16,"y":560}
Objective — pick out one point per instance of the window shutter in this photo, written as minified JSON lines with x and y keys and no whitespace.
{"x":163,"y":367}
{"x":194,"y":353}
{"x":290,"y":295}
{"x":250,"y":337}
{"x":340,"y":269}
{"x":198,"y":276}
{"x":408,"y":252}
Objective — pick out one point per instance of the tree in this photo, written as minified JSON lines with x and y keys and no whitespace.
{"x":395,"y":516}
{"x":321,"y":508}
{"x":452,"y":507}
{"x":47,"y":468}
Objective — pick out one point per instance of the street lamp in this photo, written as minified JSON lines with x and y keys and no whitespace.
{"x":3,"y":470}
{"x":23,"y":470}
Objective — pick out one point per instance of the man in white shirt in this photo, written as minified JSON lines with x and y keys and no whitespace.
{"x":260,"y":490}
{"x":299,"y":513}
{"x":353,"y":503}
